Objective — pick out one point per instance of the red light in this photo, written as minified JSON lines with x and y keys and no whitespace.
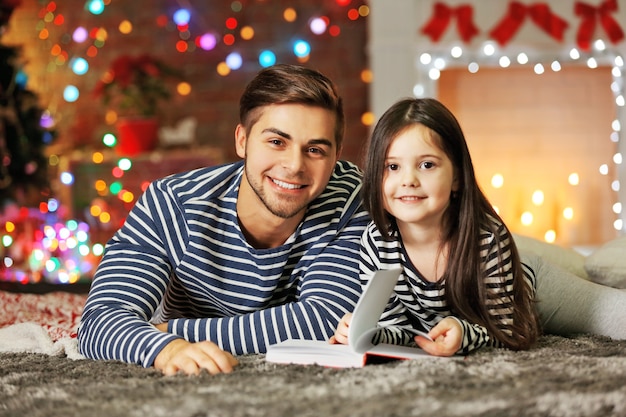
{"x":231,"y":23}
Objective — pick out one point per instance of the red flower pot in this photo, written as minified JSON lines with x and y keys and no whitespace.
{"x":136,"y":135}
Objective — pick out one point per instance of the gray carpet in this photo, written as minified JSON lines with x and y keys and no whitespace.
{"x":582,"y":376}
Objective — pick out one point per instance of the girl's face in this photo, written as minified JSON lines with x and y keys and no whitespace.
{"x":418,"y":178}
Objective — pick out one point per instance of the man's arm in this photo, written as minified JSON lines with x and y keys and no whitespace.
{"x":328,"y":289}
{"x":127,"y":288}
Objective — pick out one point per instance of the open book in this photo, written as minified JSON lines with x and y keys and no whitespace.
{"x":362,"y":328}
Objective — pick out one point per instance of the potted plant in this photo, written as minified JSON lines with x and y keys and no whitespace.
{"x":134,"y":87}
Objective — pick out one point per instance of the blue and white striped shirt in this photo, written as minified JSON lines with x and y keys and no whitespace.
{"x":421,"y":304}
{"x":181,"y":256}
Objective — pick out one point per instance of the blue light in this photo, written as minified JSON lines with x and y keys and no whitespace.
{"x":95,"y":6}
{"x":71,"y":94}
{"x":79,"y":66}
{"x":234,"y":61}
{"x":181,"y":17}
{"x":21,"y":79}
{"x":301,"y":49}
{"x":267,"y":58}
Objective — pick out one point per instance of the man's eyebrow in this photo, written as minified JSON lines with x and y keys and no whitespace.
{"x":277,"y":132}
{"x":320,"y":141}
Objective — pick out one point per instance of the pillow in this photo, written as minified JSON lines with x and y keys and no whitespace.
{"x":567,"y":259}
{"x":607,"y":264}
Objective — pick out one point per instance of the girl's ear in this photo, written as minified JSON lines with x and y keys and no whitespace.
{"x":240,"y":141}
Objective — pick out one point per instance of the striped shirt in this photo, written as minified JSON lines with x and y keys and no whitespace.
{"x":181,"y":256}
{"x":421,"y":304}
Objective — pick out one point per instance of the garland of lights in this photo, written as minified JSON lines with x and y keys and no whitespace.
{"x":490,"y":55}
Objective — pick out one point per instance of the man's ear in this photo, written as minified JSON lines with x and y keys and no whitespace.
{"x":240,"y":141}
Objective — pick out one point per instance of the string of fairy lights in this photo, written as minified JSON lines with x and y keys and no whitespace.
{"x":430,"y":64}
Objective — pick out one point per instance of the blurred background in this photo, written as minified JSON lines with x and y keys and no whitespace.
{"x":100,"y":97}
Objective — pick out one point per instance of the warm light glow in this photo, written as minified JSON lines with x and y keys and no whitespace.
{"x":550,"y":236}
{"x":527,"y":218}
{"x":367,"y":76}
{"x":95,"y":210}
{"x":573,"y":179}
{"x":497,"y":181}
{"x":97,"y":157}
{"x":247,"y":33}
{"x":367,"y":118}
{"x":290,"y":14}
{"x":125,"y":27}
{"x":568,"y":213}
{"x":183,"y":88}
{"x":223,"y":69}
{"x":538,"y":197}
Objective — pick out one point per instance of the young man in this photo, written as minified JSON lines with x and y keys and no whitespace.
{"x":227,"y":260}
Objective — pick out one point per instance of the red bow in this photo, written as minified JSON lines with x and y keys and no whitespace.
{"x":441,"y":18}
{"x":540,"y":13}
{"x":588,"y":23}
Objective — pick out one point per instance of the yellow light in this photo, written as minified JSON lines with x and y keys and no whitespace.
{"x":367,"y":118}
{"x":538,"y":197}
{"x":183,"y":88}
{"x":125,"y":27}
{"x":95,"y":210}
{"x":247,"y":33}
{"x":97,"y":157}
{"x":289,"y":14}
{"x":223,"y":69}
{"x":127,"y":197}
{"x":497,"y":181}
{"x":568,"y":213}
{"x":101,"y":34}
{"x":100,"y":185}
{"x":573,"y":179}
{"x":527,"y":218}
{"x":367,"y":76}
{"x":110,"y":117}
{"x":105,"y":217}
{"x":550,"y":236}
{"x":9,"y":226}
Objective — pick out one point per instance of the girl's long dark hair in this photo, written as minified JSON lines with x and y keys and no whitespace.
{"x":467,"y":214}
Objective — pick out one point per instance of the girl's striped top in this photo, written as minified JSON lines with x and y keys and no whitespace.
{"x":421,"y":304}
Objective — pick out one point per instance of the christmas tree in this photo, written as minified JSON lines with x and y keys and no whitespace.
{"x":24,"y":133}
{"x":37,"y":244}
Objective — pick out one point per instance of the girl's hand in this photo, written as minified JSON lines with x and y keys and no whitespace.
{"x":341,"y":334}
{"x":446,"y":337}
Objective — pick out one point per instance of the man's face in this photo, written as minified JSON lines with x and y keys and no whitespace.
{"x":289,"y":154}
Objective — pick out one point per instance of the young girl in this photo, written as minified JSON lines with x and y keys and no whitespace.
{"x":463,"y":281}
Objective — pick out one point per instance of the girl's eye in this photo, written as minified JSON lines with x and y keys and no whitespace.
{"x":427,"y":165}
{"x":392,"y":167}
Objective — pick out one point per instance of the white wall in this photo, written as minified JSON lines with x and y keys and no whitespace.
{"x":396,"y":44}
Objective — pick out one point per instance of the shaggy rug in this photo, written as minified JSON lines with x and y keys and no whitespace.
{"x":566,"y":377}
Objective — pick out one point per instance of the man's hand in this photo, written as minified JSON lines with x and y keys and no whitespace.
{"x":446,"y":338}
{"x":341,"y":334}
{"x":191,"y":358}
